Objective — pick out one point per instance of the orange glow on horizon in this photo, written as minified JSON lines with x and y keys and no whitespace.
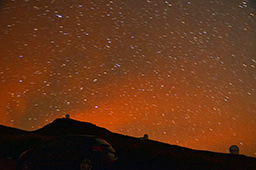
{"x":183,"y":73}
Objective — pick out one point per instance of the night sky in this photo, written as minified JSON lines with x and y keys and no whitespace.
{"x":181,"y":71}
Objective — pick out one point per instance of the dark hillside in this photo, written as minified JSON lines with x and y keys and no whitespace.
{"x":148,"y":154}
{"x":10,"y":131}
{"x":9,"y":140}
{"x":65,"y":126}
{"x":133,"y":153}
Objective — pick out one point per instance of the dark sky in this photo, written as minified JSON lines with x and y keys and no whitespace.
{"x":181,"y":71}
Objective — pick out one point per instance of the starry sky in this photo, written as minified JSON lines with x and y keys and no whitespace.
{"x":182,"y":72}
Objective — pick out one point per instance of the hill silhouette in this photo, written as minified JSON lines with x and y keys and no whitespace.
{"x":66,"y":126}
{"x":10,"y":130}
{"x":133,"y":152}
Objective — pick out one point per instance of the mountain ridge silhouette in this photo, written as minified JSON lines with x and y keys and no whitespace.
{"x":134,"y":153}
{"x":11,"y":130}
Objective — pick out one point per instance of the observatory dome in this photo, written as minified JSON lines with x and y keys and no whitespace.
{"x":234,"y":149}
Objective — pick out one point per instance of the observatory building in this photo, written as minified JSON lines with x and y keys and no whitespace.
{"x":67,"y":116}
{"x":145,"y":137}
{"x":234,"y":150}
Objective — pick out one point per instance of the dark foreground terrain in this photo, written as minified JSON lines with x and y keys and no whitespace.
{"x":133,"y":153}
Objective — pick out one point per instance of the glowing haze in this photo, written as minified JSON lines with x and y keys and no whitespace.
{"x":181,"y":71}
